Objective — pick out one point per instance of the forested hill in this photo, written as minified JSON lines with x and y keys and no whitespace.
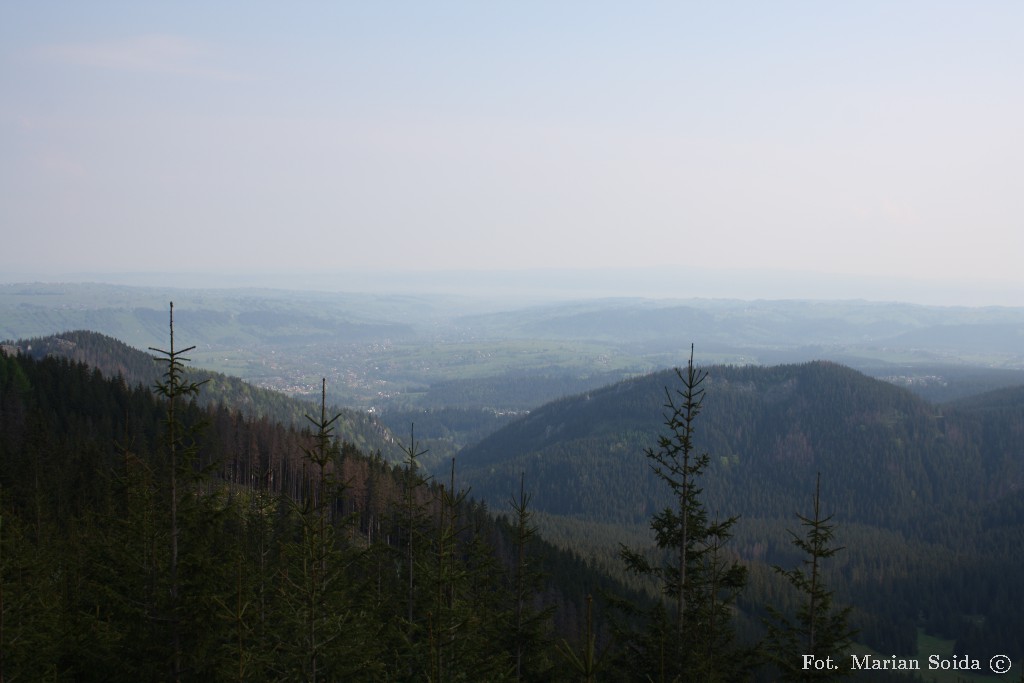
{"x":113,"y":358}
{"x":270,"y":557}
{"x":891,"y":458}
{"x":929,"y":499}
{"x":999,"y":400}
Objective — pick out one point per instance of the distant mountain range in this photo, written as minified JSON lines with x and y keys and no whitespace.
{"x":411,"y":350}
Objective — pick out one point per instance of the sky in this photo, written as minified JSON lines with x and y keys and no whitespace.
{"x":858,"y":143}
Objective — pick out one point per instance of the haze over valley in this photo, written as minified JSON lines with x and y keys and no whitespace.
{"x":396,"y":350}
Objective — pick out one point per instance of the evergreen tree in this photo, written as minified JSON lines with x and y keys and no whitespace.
{"x":695,"y":575}
{"x":30,"y":601}
{"x":408,"y":635}
{"x":817,"y":628}
{"x":446,"y":575}
{"x":588,"y":662}
{"x":530,"y":625}
{"x":465,"y":612}
{"x":324,"y":636}
{"x":180,"y":455}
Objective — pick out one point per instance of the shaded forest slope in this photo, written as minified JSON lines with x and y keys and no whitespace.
{"x":280,"y":572}
{"x":894,"y":458}
{"x":929,"y":499}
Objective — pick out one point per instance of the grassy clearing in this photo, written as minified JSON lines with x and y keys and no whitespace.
{"x":931,"y":645}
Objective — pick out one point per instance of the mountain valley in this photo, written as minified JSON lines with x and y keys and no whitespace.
{"x":921,"y":461}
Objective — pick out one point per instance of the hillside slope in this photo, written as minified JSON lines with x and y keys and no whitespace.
{"x":113,"y":358}
{"x":768,"y":430}
{"x":89,"y":562}
{"x":930,"y":500}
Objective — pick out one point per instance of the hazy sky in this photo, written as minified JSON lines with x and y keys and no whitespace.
{"x":880,"y":139}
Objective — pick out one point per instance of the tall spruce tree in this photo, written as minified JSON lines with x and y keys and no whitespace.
{"x":691,"y":638}
{"x":411,"y":648}
{"x":530,"y":625}
{"x":445,"y":575}
{"x":465,"y":617}
{"x":327,"y":637}
{"x":180,"y":451}
{"x":585,"y":665}
{"x":817,"y":628}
